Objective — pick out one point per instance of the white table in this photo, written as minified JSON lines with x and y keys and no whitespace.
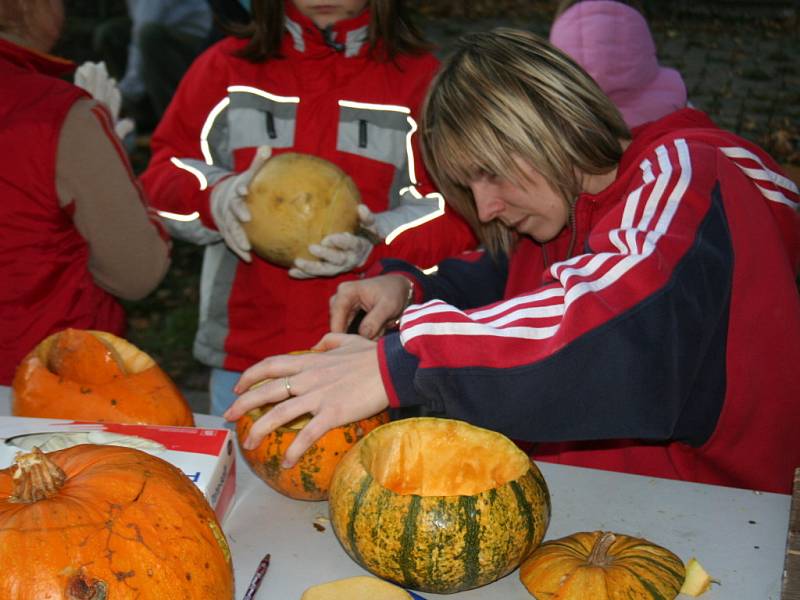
{"x":738,"y":535}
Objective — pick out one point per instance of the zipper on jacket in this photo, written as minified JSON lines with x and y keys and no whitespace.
{"x":327,"y":35}
{"x":572,"y":238}
{"x":573,"y":230}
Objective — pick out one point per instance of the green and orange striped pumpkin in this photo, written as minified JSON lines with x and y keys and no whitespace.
{"x":602,"y":566}
{"x":438,"y":505}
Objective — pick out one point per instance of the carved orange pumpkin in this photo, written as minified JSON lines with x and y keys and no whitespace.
{"x":311,"y":477}
{"x":106,"y":522}
{"x":96,"y":376}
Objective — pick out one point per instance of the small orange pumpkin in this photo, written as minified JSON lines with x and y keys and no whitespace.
{"x":310,"y":478}
{"x":95,"y":522}
{"x":96,"y":376}
{"x":602,"y":565}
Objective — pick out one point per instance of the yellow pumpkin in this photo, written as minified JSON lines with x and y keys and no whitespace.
{"x":96,"y":376}
{"x":602,"y":566}
{"x":438,"y":505}
{"x":296,"y":200}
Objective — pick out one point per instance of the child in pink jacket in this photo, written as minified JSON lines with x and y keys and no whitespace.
{"x":613,"y":43}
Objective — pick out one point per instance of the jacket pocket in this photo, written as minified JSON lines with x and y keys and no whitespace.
{"x":256,"y":117}
{"x":379,"y":132}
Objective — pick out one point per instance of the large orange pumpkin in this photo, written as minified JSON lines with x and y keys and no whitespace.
{"x":96,"y":376}
{"x":107,"y":522}
{"x":311,"y":477}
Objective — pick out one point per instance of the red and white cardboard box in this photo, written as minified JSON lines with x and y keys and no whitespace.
{"x":206,"y":456}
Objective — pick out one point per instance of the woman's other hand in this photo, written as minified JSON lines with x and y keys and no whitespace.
{"x":338,"y":385}
{"x":382,"y":298}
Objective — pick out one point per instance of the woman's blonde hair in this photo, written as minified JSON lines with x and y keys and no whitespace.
{"x":508,"y":93}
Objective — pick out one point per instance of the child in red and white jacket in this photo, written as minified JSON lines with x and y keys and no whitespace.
{"x":344,"y":82}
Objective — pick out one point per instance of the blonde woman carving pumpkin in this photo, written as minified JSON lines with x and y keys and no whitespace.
{"x":635,"y":309}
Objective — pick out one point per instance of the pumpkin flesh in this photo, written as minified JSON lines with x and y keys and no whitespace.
{"x":96,"y":376}
{"x":438,"y":505}
{"x":356,"y":588}
{"x":120,"y":524}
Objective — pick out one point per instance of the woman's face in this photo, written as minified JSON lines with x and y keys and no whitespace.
{"x":532,"y":208}
{"x":328,"y":12}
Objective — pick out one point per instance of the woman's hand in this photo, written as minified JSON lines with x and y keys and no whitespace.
{"x":340,"y":385}
{"x":383,"y":298}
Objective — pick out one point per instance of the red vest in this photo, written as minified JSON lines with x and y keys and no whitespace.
{"x":45,"y":284}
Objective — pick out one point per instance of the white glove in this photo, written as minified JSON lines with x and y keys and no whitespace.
{"x":228,"y":205}
{"x":337,"y":253}
{"x":93,"y":77}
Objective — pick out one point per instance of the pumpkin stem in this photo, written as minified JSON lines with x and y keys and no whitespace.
{"x":36,"y":478}
{"x":599,"y":555}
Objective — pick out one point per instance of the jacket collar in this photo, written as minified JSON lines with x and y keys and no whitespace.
{"x":349,"y":36}
{"x":646,"y":135}
{"x":31,"y":60}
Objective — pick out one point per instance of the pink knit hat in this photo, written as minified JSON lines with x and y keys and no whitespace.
{"x":613,"y":43}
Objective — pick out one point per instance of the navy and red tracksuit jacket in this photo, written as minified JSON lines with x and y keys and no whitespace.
{"x":667,"y":346}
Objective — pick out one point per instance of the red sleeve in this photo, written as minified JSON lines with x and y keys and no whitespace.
{"x":170,"y":180}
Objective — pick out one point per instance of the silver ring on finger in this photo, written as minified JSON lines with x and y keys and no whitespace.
{"x":288,"y":385}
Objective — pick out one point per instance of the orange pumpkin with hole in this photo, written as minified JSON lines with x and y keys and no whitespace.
{"x":96,"y":376}
{"x":296,"y":200}
{"x":310,"y":478}
{"x":105,"y":522}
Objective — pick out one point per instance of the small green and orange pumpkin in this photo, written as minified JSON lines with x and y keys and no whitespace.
{"x":602,"y":566}
{"x":310,"y":478}
{"x":96,"y":376}
{"x":438,"y":505}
